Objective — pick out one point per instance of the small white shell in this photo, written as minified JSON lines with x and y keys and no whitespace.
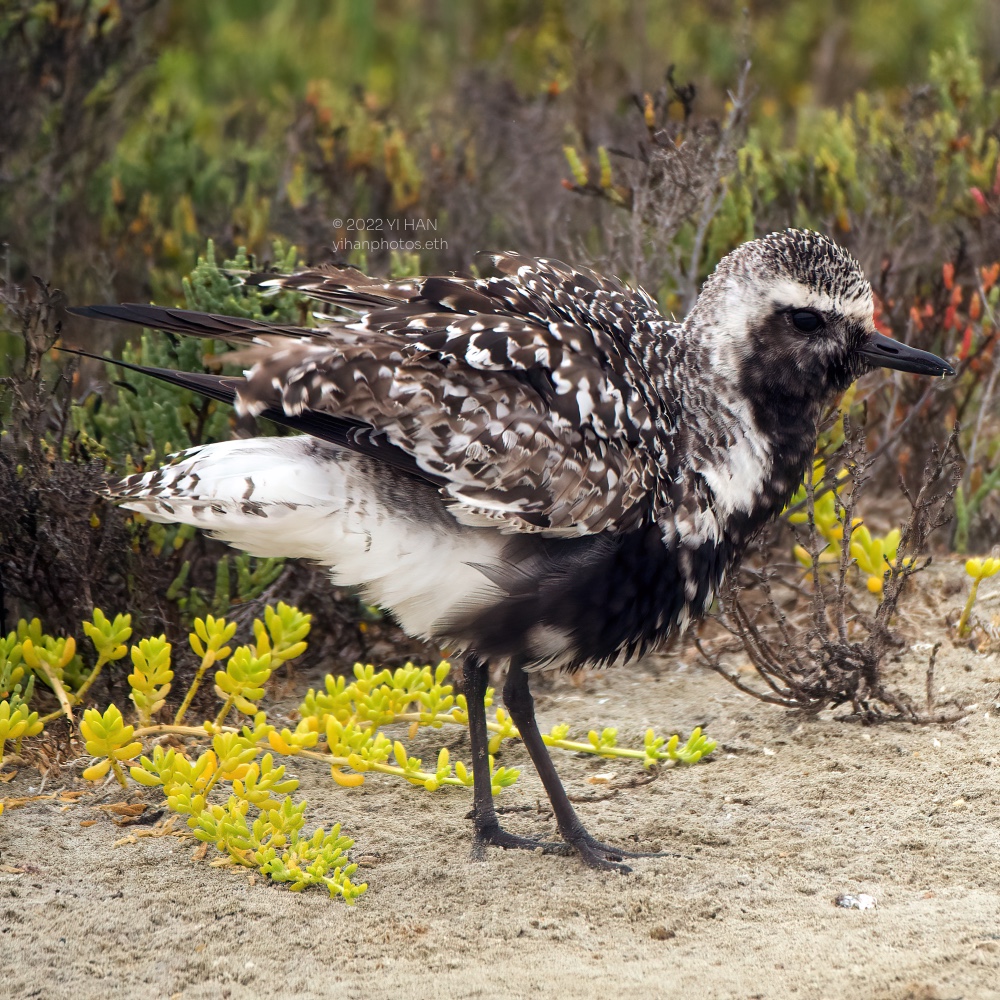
{"x":858,"y":902}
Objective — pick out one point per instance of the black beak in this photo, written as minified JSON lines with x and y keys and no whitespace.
{"x":884,"y":352}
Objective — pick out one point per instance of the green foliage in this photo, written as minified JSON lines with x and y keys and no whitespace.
{"x":234,"y":794}
{"x":150,"y":678}
{"x":888,"y":167}
{"x":244,"y":678}
{"x":282,"y":633}
{"x":254,"y":574}
{"x":244,"y":126}
{"x":13,"y":669}
{"x":209,"y":640}
{"x":216,"y":288}
{"x":867,"y":159}
{"x":874,"y":556}
{"x":108,"y":638}
{"x":16,"y":718}
{"x":259,"y":825}
{"x":966,"y":507}
{"x":53,"y":660}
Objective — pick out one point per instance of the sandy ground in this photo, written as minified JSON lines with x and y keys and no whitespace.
{"x":787,"y":815}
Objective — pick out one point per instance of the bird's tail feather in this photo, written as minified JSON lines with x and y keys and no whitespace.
{"x":336,"y":430}
{"x":264,"y":495}
{"x":375,"y":528}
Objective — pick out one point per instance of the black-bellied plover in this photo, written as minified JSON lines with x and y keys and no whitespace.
{"x":537,"y":468}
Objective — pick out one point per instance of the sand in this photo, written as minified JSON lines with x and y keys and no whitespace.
{"x":790,"y":813}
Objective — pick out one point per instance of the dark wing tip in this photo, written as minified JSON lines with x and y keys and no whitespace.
{"x":128,"y":312}
{"x":190,"y":323}
{"x":221,"y":387}
{"x":95,"y":312}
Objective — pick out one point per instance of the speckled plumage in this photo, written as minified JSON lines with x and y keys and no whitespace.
{"x":602,"y":465}
{"x":515,"y":393}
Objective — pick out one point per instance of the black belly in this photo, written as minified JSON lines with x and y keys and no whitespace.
{"x":612,"y":594}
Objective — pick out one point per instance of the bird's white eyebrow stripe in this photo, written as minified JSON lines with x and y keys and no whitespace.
{"x":786,"y":292}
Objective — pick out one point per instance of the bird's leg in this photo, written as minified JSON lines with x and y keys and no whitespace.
{"x":484,"y":817}
{"x":520,"y":704}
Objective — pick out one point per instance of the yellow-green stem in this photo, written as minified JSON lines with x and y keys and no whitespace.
{"x":94,"y":674}
{"x":211,"y":781}
{"x":162,"y":728}
{"x":512,"y":733}
{"x":119,"y":774}
{"x":206,"y":662}
{"x":382,"y":768}
{"x":575,"y":747}
{"x":223,"y":712}
{"x":65,"y":707}
{"x":963,"y":622}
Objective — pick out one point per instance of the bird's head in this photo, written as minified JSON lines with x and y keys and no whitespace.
{"x":791,"y":316}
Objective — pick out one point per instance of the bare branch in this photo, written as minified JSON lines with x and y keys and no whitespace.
{"x":822,"y":653}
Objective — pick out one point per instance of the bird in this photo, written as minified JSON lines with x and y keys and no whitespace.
{"x":536,"y":469}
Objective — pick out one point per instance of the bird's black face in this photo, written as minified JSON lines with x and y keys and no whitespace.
{"x":811,"y":352}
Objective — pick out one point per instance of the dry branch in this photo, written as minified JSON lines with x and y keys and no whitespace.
{"x":830,"y":653}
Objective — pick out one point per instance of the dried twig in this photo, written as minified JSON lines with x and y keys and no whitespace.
{"x":820,"y":658}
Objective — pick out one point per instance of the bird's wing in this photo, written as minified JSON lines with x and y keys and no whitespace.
{"x":521,"y":394}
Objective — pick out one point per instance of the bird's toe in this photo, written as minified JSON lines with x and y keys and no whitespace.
{"x":618,"y":853}
{"x":602,"y":860}
{"x":495,"y":835}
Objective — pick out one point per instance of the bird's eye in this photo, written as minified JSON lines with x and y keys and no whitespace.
{"x":806,"y":321}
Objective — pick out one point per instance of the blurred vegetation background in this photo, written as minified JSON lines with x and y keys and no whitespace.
{"x":137,"y":129}
{"x":643,"y":138}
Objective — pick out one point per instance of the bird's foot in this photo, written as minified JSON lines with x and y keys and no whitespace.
{"x":597,"y":854}
{"x":494,"y":835}
{"x":616,"y":853}
{"x":593,"y":853}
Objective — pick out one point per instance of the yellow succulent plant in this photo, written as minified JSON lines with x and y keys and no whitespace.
{"x":979,"y":570}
